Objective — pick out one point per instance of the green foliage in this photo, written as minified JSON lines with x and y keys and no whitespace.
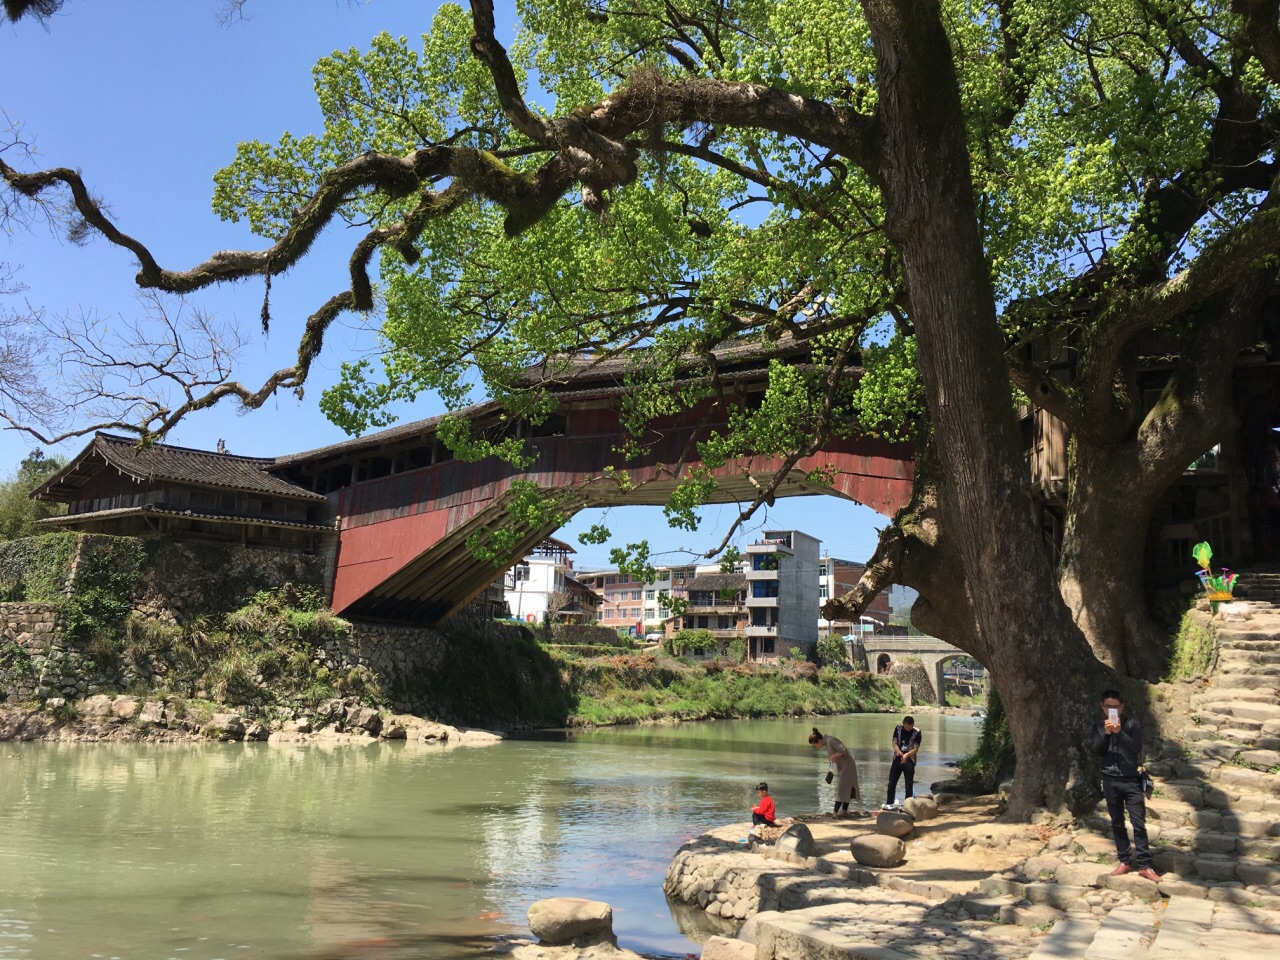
{"x":17,"y":510}
{"x":831,"y":651}
{"x":995,"y":747}
{"x":736,"y":652}
{"x":1194,"y":648}
{"x":36,"y":568}
{"x":685,"y":642}
{"x":105,"y":579}
{"x":529,"y":510}
{"x":16,"y":668}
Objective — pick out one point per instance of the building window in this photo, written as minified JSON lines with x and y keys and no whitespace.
{"x":822,"y":569}
{"x":764,"y":561}
{"x":764,"y":588}
{"x":766,"y":645}
{"x":649,"y":594}
{"x":610,"y":580}
{"x":608,"y":614}
{"x":522,"y":572}
{"x":822,"y":591}
{"x":637,"y":594}
{"x":724,"y":623}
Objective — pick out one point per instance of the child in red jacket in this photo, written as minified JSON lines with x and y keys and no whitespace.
{"x":763,"y":812}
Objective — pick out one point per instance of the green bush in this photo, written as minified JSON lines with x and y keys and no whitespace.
{"x":1194,"y":649}
{"x":995,"y":747}
{"x":687,"y":642}
{"x":737,"y":651}
{"x":36,"y":568}
{"x":831,"y":651}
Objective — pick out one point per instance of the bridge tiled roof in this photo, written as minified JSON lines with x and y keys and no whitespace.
{"x":162,"y":461}
{"x":568,"y":378}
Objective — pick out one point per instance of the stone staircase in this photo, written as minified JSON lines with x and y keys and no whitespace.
{"x":1217,"y":807}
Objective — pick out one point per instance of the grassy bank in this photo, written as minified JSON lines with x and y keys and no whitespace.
{"x":634,"y":689}
{"x":495,"y":679}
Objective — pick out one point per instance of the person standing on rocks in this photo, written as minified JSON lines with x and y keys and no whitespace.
{"x":906,"y":744}
{"x":845,"y":773}
{"x":1117,"y":740}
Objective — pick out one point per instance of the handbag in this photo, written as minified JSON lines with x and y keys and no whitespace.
{"x":1148,"y":785}
{"x":829,"y":777}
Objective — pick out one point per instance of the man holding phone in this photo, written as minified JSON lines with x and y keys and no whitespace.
{"x":1117,"y":740}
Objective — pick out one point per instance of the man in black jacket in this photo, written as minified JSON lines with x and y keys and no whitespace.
{"x":1117,"y":740}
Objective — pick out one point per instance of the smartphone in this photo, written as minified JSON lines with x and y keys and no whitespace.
{"x":1113,"y":715}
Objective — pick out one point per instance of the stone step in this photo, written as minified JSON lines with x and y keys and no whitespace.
{"x":1257,"y":658}
{"x":1185,"y":920}
{"x":1233,"y":694}
{"x":1257,"y":638}
{"x":1069,"y":937}
{"x":1127,"y":932}
{"x":1249,"y":679}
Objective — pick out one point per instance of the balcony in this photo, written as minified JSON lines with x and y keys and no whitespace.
{"x":716,"y":607}
{"x":761,"y":574}
{"x":762,"y":630}
{"x":757,"y":602}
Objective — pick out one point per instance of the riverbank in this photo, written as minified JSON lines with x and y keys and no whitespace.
{"x":967,"y":886}
{"x":128,"y":719}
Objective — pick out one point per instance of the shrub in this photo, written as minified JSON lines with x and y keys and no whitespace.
{"x":832,"y":652}
{"x":1194,"y":649}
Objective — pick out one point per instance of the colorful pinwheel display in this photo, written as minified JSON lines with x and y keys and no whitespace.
{"x":1217,"y":587}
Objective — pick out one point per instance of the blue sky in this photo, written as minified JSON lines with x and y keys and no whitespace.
{"x":148,"y":99}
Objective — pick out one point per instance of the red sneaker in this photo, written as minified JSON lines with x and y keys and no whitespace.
{"x":1121,"y":870}
{"x":1146,"y":873}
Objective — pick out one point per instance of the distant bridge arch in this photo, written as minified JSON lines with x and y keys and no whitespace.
{"x":934,"y":654}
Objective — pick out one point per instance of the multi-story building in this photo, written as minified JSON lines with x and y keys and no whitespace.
{"x":782,"y":592}
{"x":542,"y":585}
{"x":638,"y":606}
{"x":837,"y":577}
{"x":716,"y":602}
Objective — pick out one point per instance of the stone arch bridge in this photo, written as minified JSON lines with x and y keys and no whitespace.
{"x":934,"y":654}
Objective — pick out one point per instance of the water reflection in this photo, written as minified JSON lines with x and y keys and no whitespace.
{"x":390,"y":850}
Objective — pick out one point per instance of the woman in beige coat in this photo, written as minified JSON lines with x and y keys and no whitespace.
{"x":846,"y":775}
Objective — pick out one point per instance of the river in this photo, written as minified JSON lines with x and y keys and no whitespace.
{"x":390,"y":851}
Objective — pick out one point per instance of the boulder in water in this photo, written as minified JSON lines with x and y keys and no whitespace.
{"x":571,"y":920}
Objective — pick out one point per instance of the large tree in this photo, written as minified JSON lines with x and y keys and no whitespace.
{"x":917,"y":188}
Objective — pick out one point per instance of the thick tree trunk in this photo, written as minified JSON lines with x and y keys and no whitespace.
{"x":1114,"y":488}
{"x":1041,"y":664}
{"x":1100,"y":570}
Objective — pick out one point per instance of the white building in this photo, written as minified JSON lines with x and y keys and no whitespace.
{"x":543,"y":572}
{"x":782,"y":592}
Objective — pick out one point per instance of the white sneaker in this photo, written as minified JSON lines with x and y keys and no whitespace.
{"x":886,"y":806}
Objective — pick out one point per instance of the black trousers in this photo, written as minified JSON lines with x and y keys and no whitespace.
{"x":905,"y":770}
{"x":758,"y":819}
{"x":1125,"y":795}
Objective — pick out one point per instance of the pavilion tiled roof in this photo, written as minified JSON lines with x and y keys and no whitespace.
{"x":716,"y":582}
{"x":161,"y":461}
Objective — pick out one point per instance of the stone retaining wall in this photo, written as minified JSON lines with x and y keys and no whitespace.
{"x":38,"y":661}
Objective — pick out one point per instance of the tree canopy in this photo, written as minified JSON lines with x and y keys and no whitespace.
{"x":17,"y":510}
